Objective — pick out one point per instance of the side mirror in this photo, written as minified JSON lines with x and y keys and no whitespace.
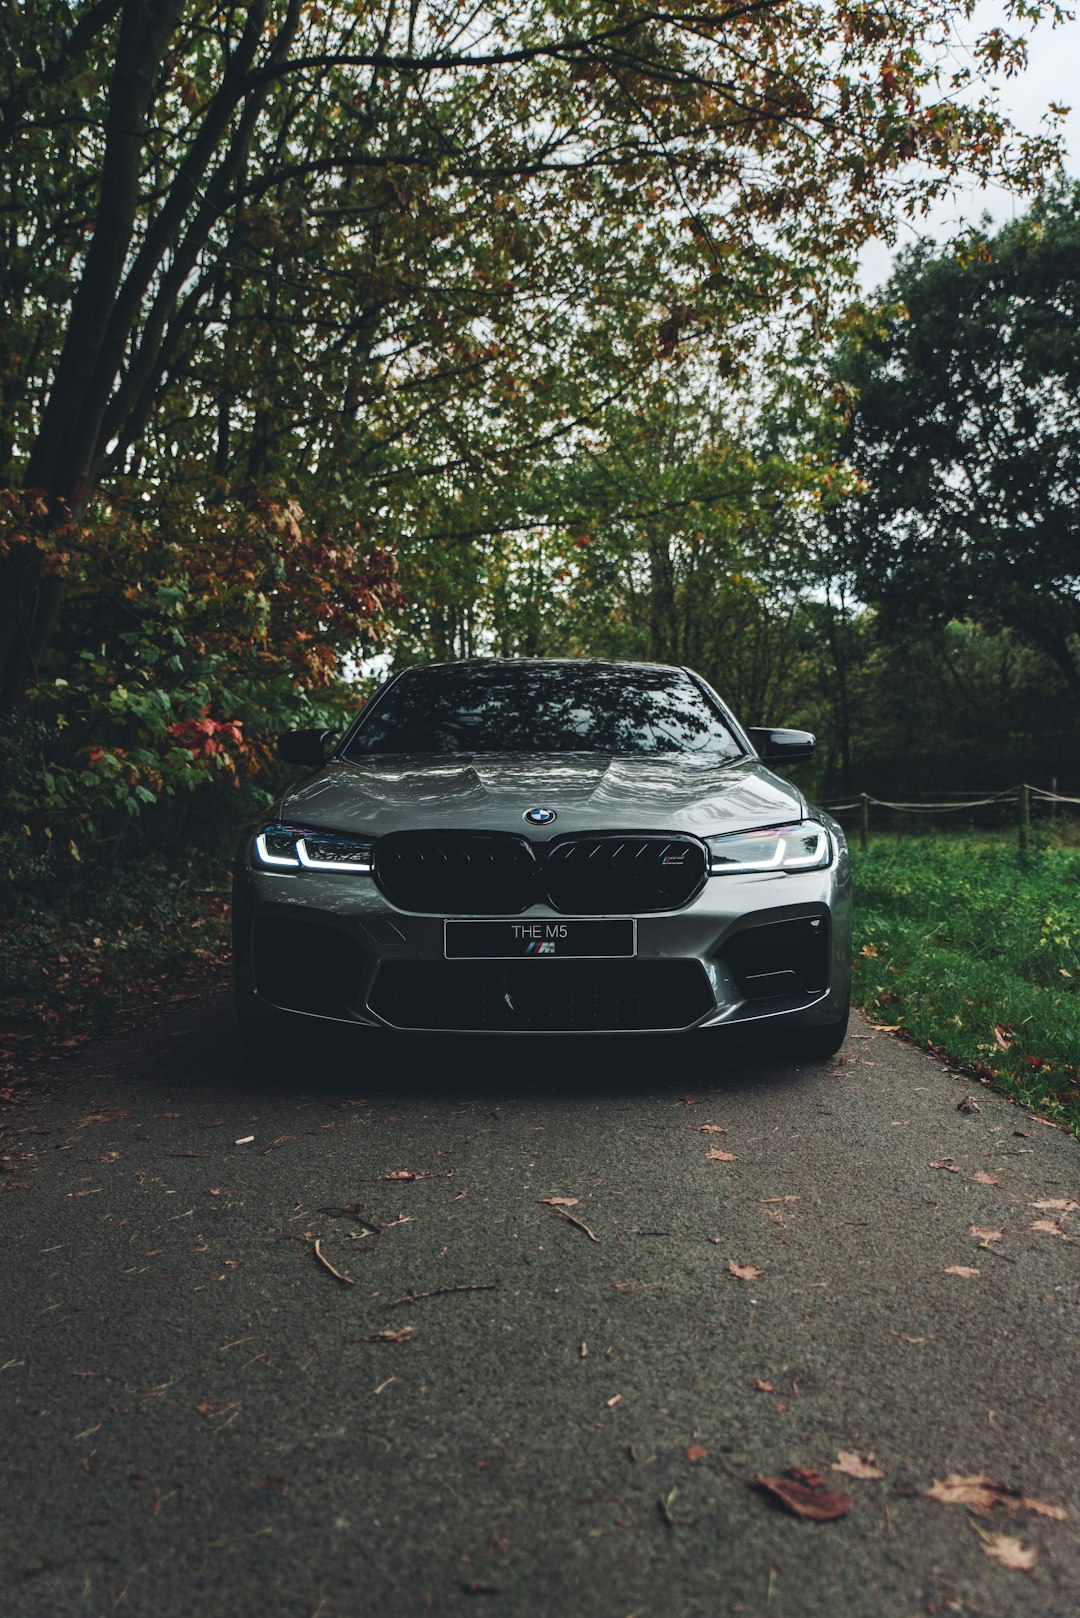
{"x":304,"y":746}
{"x":782,"y":746}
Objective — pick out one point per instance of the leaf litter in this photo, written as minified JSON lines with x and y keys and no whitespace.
{"x":744,"y":1272}
{"x":982,"y":1494}
{"x":1008,"y":1550}
{"x":857,"y":1466}
{"x":806,"y":1493}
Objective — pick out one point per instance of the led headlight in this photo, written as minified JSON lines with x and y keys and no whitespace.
{"x":292,"y":848}
{"x":805,"y":846}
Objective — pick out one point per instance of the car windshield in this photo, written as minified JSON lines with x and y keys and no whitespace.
{"x":544,"y":708}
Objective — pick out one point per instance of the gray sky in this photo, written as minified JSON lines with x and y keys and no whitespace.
{"x":1053,"y":74}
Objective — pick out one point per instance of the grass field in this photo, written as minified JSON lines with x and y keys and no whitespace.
{"x":974,"y":950}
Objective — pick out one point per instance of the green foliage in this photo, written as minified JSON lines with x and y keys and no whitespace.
{"x":188,"y":639}
{"x":975,"y":951}
{"x":966,"y":430}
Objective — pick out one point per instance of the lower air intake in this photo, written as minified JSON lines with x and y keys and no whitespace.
{"x":303,"y":966}
{"x":541,"y":996}
{"x":781,"y":958}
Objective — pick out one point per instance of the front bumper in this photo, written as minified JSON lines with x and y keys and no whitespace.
{"x":753,"y":948}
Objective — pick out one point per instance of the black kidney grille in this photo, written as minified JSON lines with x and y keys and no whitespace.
{"x":611,"y":874}
{"x":498,"y":874}
{"x":457,"y":873}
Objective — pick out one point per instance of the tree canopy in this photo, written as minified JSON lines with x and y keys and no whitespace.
{"x":369,"y":257}
{"x":965,"y":432}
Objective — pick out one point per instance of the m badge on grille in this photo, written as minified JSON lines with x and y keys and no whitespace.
{"x":539,"y":817}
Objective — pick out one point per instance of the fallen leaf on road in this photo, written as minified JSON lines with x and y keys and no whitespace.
{"x":948,"y":1165}
{"x":110,"y":1115}
{"x":856,"y":1466}
{"x":711,"y":1129}
{"x":886,"y":1027}
{"x":1052,"y":1227}
{"x":407,"y":1174}
{"x":969,"y":1104}
{"x":220,"y":1191}
{"x":1062,"y":1204}
{"x":806,"y":1493}
{"x":766,"y":1200}
{"x":718,"y":1155}
{"x":764,"y":1387}
{"x":744,"y":1272}
{"x":1008,"y":1551}
{"x":983,"y":1178}
{"x":988,"y":1235}
{"x":982,"y":1494}
{"x":616,"y":1399}
{"x":560,"y":1202}
{"x":402,"y":1335}
{"x":960,"y":1269}
{"x":695,"y":1453}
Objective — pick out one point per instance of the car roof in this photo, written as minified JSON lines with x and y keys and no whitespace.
{"x":544,"y":662}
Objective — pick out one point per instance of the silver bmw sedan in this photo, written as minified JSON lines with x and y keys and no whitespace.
{"x":544,"y":847}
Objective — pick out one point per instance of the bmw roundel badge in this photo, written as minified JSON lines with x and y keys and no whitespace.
{"x":539,"y":817}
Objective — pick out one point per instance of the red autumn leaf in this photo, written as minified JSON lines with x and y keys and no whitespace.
{"x":695,"y":1453}
{"x":806,"y":1493}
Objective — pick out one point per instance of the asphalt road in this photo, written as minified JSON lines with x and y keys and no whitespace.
{"x":508,"y":1412}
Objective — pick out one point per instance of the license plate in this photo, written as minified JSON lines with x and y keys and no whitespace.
{"x":538,"y":940}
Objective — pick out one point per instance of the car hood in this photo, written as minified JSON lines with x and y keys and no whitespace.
{"x":588,"y":792}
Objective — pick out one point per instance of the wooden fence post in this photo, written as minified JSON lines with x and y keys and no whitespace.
{"x":1023,"y":807}
{"x":864,"y":820}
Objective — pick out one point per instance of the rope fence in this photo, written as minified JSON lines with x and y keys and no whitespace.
{"x":1021,"y":795}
